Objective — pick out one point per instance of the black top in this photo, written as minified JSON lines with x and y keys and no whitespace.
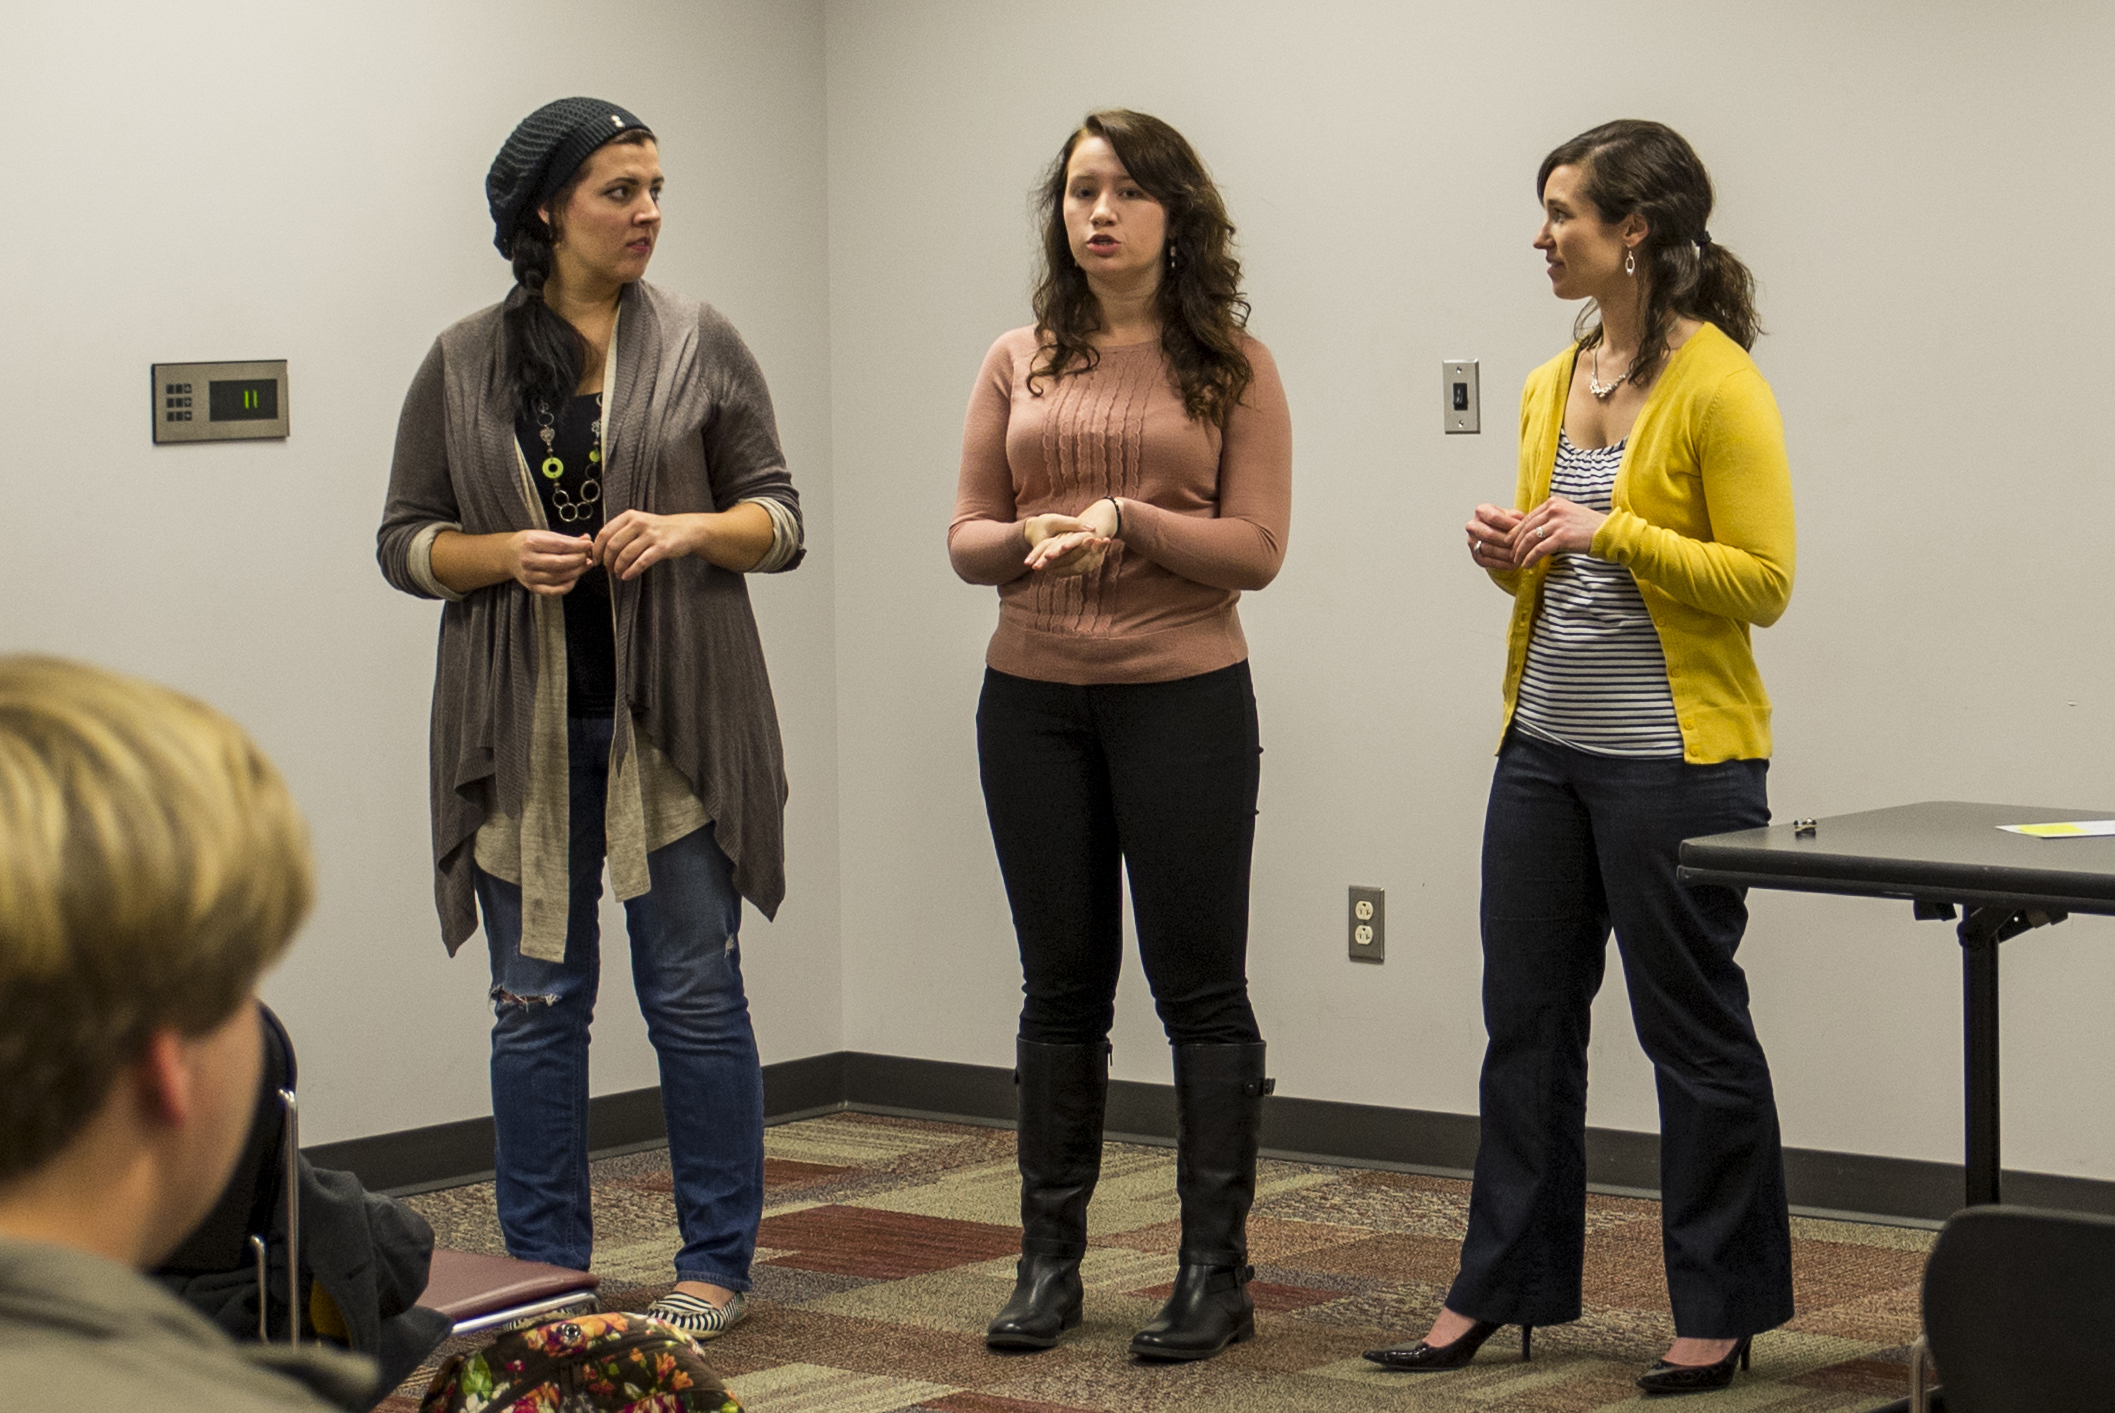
{"x":1944,"y":850}
{"x":567,"y":470}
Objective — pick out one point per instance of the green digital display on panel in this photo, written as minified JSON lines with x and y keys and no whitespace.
{"x":243,"y":400}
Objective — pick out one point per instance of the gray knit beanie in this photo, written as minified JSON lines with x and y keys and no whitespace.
{"x":543,"y":153}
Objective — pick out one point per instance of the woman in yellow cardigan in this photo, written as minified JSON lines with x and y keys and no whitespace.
{"x":1654,"y":530}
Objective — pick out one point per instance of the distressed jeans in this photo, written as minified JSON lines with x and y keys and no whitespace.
{"x":686,"y":966}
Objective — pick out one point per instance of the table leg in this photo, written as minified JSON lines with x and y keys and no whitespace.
{"x":1979,"y":1011}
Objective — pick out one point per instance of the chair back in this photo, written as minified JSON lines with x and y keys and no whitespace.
{"x":2019,"y":1306}
{"x":257,"y":1187}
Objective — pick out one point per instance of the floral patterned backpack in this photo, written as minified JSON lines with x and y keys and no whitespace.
{"x":609,"y":1363}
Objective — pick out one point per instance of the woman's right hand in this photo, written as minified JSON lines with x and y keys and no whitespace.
{"x":1490,"y":531}
{"x":1063,"y":546}
{"x":544,"y":562}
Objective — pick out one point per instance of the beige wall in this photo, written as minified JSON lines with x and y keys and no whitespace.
{"x":1917,"y":186}
{"x":1919,"y":190}
{"x":231,"y":180}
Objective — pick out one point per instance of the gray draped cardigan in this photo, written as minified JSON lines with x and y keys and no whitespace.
{"x":687,"y":426}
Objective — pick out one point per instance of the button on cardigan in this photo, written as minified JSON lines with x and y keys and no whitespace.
{"x":688,"y":427}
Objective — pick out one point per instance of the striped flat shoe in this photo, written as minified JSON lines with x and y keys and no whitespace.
{"x":699,"y":1318}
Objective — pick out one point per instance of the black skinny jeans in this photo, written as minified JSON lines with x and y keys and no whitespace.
{"x":1156,"y":778}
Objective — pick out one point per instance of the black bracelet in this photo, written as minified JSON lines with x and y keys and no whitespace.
{"x":1116,"y":506}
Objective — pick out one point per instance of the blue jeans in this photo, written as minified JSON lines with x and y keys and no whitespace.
{"x":687,"y":967}
{"x":1574,"y":845}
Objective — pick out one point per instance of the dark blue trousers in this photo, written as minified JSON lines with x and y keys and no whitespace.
{"x":1574,"y":845}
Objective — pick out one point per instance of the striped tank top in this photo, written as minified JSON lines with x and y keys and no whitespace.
{"x":1595,"y":678}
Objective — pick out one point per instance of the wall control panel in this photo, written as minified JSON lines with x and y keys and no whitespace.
{"x":1457,"y":392}
{"x":219,"y":402}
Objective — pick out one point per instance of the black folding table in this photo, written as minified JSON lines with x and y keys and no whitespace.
{"x":1941,"y":856}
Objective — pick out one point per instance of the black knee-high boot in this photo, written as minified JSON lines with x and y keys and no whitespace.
{"x":1063,"y":1090}
{"x":1219,"y":1093}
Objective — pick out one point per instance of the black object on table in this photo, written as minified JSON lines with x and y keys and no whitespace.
{"x":1939,"y":855}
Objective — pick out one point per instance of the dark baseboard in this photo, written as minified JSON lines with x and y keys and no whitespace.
{"x":1319,"y":1130}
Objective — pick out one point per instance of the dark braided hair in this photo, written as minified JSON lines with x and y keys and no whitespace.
{"x":545,"y":355}
{"x":1634,"y":166}
{"x":1201,"y":308}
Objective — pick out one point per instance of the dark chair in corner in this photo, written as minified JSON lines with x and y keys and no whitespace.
{"x":2019,"y":1311}
{"x":294,"y":1252}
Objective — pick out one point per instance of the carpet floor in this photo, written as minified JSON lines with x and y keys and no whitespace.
{"x":888,"y":1243}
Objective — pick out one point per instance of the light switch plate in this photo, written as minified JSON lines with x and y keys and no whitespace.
{"x":219,"y":402}
{"x":1458,"y":395}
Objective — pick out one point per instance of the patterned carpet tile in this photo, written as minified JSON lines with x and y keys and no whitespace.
{"x":1873,"y":1319}
{"x":1395,"y":1256}
{"x":881,"y":1245}
{"x":812,"y":1388}
{"x":1826,"y":1273}
{"x":1390,"y":1311}
{"x":955,"y":1358}
{"x":888,"y":1243}
{"x":985,"y":1403}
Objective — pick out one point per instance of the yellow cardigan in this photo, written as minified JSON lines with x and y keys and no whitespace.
{"x":1702,"y":520}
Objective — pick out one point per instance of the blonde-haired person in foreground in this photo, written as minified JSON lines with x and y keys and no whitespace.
{"x":152,"y":866}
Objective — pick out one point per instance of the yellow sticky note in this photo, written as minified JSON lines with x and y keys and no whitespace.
{"x":2065,"y":829}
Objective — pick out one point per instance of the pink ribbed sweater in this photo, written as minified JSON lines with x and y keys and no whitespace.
{"x":1205,"y":513}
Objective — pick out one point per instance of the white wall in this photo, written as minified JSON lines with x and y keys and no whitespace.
{"x":240,"y":180}
{"x":1916,"y":186}
{"x":1917,"y":189}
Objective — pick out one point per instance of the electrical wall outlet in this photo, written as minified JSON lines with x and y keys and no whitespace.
{"x":1369,"y":916}
{"x":1458,"y":395}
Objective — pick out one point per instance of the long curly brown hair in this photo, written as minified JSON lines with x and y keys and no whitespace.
{"x":1202,"y":311}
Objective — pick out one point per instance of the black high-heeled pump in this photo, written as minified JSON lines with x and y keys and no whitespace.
{"x":1423,"y":1358}
{"x":1665,"y":1378}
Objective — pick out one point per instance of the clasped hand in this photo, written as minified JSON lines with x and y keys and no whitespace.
{"x":551,"y":563}
{"x":1501,"y":539}
{"x":1064,"y":546}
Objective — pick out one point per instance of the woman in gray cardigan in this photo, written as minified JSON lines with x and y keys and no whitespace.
{"x":583,"y":473}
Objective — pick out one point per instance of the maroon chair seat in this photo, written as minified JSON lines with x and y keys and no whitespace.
{"x":482,"y":1292}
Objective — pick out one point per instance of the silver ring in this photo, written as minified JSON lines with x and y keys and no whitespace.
{"x":1542,"y":532}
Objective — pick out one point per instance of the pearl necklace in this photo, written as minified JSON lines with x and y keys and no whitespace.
{"x":1594,"y":384}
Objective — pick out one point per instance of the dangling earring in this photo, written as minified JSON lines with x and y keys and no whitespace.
{"x":1630,"y":262}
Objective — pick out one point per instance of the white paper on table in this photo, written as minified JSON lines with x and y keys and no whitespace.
{"x":2067,"y":829}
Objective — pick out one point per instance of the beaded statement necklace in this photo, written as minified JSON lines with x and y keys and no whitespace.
{"x":1594,"y":385}
{"x":580,"y":504}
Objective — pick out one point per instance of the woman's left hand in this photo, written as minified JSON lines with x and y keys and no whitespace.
{"x":636,"y":541}
{"x":1069,"y":554}
{"x":1557,"y":526}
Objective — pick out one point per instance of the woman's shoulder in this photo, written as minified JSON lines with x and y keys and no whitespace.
{"x":1014,"y":345}
{"x":1255,"y":350}
{"x":476,"y":330}
{"x":1711,"y":363}
{"x":1555,"y":373}
{"x":1711,"y":353}
{"x":1009,"y":356}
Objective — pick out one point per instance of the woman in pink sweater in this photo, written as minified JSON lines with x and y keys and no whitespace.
{"x":1126,"y":473}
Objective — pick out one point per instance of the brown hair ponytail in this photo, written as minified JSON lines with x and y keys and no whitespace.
{"x":1632,"y":166}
